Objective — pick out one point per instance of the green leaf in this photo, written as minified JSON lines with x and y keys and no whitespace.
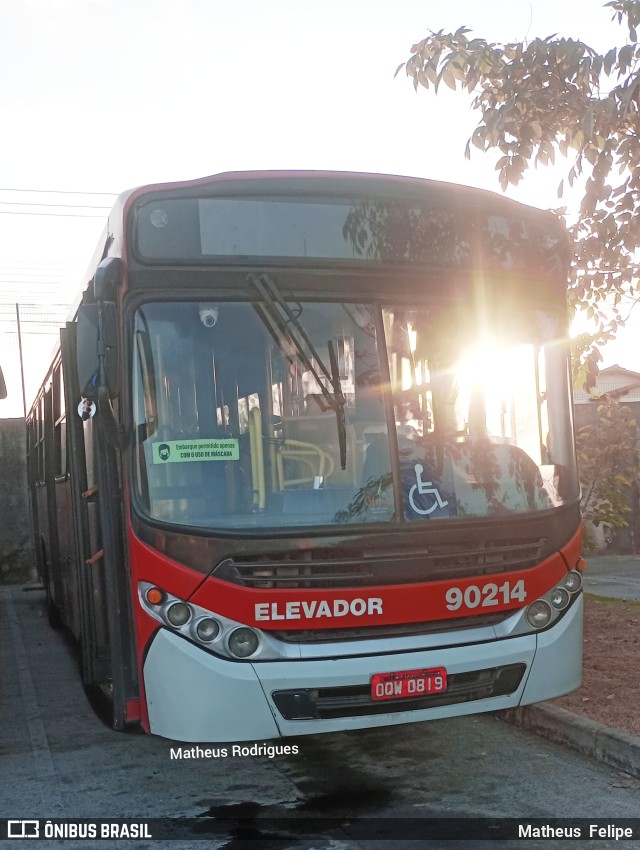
{"x":448,"y":77}
{"x":625,"y":55}
{"x":431,"y":71}
{"x":536,"y":129}
{"x":478,"y":138}
{"x":577,"y":140}
{"x":609,"y":60}
{"x":587,"y":123}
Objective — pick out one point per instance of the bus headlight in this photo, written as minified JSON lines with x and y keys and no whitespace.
{"x":572,"y":581}
{"x":213,"y":632}
{"x":206,"y":629}
{"x":243,"y":642}
{"x":560,"y":598}
{"x":178,"y":614}
{"x":539,"y":614}
{"x":553,"y":605}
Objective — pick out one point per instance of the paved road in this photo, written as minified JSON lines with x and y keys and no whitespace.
{"x":616,"y":576}
{"x":57,"y":759}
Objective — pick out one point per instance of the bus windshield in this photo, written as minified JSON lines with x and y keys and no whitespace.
{"x":257,"y":416}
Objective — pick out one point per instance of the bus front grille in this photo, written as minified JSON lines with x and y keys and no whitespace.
{"x":356,"y":701}
{"x":309,"y":636}
{"x":334,"y":568}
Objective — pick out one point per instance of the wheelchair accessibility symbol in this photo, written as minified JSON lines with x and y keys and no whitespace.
{"x":425,"y":488}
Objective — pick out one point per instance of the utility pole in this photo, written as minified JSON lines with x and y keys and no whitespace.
{"x":24,"y":395}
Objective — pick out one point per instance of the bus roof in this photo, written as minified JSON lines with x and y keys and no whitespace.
{"x":336,"y":183}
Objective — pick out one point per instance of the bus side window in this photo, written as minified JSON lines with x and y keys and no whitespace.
{"x":59,"y":424}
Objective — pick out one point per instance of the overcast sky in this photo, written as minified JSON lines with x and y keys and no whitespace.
{"x":98,"y":96}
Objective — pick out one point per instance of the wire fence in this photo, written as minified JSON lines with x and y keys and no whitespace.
{"x":33,"y":318}
{"x":28,"y":335}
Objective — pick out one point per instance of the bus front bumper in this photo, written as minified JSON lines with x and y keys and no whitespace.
{"x":195,"y":696}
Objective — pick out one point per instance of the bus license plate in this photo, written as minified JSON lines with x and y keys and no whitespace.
{"x":408,"y":683}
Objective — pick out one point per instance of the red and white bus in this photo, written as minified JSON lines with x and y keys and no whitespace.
{"x":304,"y":460}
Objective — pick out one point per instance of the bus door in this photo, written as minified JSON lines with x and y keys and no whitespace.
{"x":89,"y":579}
{"x":47,"y":508}
{"x":60,"y":494}
{"x":106,"y":643}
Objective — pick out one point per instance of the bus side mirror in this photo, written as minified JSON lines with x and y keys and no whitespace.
{"x":96,"y":340}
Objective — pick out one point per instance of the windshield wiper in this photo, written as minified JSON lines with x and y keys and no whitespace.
{"x":286,"y":322}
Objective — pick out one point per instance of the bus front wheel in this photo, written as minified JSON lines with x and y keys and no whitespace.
{"x":53,"y":614}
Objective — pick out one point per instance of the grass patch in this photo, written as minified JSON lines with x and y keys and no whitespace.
{"x":611,"y":600}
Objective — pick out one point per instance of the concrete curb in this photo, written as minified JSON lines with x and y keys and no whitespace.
{"x":612,"y":746}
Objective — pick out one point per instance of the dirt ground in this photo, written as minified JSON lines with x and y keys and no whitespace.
{"x":610,"y":691}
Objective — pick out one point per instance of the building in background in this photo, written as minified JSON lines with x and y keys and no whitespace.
{"x":17,"y":561}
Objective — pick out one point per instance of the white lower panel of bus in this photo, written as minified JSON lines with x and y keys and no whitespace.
{"x":195,"y":696}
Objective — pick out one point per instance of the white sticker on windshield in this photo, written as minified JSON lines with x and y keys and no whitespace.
{"x":184,"y":451}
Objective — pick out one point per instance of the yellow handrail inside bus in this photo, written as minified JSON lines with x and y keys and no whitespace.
{"x":319,"y":463}
{"x":257,"y":458}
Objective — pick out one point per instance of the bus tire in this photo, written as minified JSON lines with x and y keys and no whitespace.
{"x":53,"y":614}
